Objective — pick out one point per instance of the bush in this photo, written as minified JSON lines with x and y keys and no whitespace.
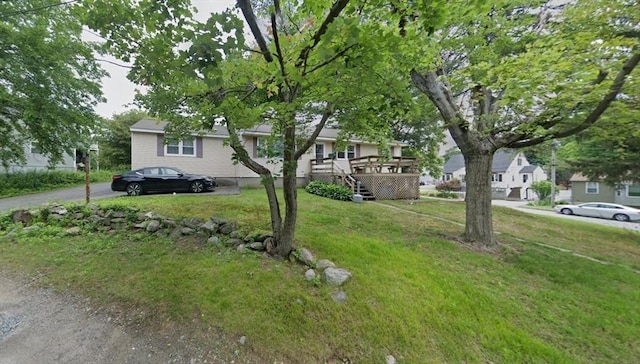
{"x":451,"y":185}
{"x":20,"y":183}
{"x":542,"y":189}
{"x":332,"y":191}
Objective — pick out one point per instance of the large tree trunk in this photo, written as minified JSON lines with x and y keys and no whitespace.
{"x":479,"y":224}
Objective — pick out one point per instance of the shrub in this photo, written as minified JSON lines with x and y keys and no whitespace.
{"x":329,"y":190}
{"x":542,"y":189}
{"x":451,"y":185}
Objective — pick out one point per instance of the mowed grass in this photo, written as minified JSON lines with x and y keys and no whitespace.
{"x":415,"y":294}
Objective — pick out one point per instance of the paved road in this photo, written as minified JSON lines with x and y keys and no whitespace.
{"x":98,"y":190}
{"x":78,"y":194}
{"x":522,"y":206}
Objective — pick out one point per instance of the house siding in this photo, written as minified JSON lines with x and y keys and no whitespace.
{"x":35,"y":161}
{"x":579,"y":194}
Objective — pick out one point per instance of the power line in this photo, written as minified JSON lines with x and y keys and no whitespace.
{"x":34,"y":10}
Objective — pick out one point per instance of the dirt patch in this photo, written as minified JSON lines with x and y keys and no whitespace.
{"x":39,"y":325}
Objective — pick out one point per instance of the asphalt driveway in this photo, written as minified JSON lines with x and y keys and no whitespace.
{"x":77,"y":194}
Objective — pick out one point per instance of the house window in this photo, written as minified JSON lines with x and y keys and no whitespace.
{"x":592,"y":188}
{"x":448,"y":177}
{"x":525,"y":178}
{"x":319,"y":151}
{"x":183,"y":147}
{"x":348,"y":153}
{"x":35,"y":148}
{"x":520,"y":161}
{"x":633,"y":190}
{"x":496,"y":177}
{"x":269,"y":148}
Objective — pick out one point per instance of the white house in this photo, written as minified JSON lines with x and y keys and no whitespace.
{"x":512,"y":174}
{"x":207,"y":154}
{"x":35,"y":160}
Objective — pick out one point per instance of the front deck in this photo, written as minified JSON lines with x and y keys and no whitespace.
{"x":394,"y":178}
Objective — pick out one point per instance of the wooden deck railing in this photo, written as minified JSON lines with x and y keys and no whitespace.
{"x":378,"y":164}
{"x":338,"y":175}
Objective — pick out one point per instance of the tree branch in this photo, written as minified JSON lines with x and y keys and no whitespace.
{"x":325,"y":116}
{"x":334,"y":12}
{"x":276,"y":40}
{"x":250,"y":17}
{"x":602,"y":106}
{"x":336,"y":56}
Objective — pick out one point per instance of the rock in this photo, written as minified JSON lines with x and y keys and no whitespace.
{"x":218,"y":221}
{"x":309,"y":274}
{"x":58,"y":210}
{"x":262,"y":237}
{"x":339,"y":296}
{"x":187,"y":231}
{"x":258,"y":246}
{"x":306,"y":256}
{"x":163,"y":233}
{"x":214,"y":240}
{"x":240,"y":247}
{"x":175,"y":233}
{"x":153,"y":226}
{"x":78,"y":216}
{"x":22,"y":216}
{"x":391,"y":359}
{"x":96,"y":219}
{"x":269,"y":244}
{"x":336,"y":276}
{"x":236,"y":234}
{"x":227,"y":228}
{"x":243,"y":340}
{"x":192,"y":222}
{"x":209,"y":226}
{"x":118,"y":220}
{"x":73,"y":231}
{"x":324,"y":263}
{"x":118,"y":214}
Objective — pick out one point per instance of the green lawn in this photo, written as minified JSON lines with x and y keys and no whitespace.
{"x":416,"y":294}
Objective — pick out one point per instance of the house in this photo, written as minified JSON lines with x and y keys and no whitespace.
{"x":208,"y":154}
{"x":35,"y":160}
{"x":584,"y":189}
{"x":512,"y":175}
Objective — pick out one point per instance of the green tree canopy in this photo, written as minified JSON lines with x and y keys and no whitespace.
{"x":49,"y":80}
{"x":520,"y":74}
{"x":315,"y":63}
{"x":115,"y":139}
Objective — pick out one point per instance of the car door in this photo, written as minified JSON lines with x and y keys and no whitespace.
{"x":607,"y":211}
{"x":589,"y":209}
{"x":174,"y":179}
{"x":152,"y":179}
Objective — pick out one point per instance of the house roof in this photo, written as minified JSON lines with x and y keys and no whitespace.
{"x":454,"y":163}
{"x":528,"y":169}
{"x":155,"y":126}
{"x":501,"y":161}
{"x":579,"y":177}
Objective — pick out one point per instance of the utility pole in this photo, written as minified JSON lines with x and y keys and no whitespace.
{"x":87,"y":178}
{"x":554,"y":145}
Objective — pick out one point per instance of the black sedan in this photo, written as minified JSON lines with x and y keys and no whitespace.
{"x":160,"y":179}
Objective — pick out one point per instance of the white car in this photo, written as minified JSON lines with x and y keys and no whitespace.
{"x":603,"y":210}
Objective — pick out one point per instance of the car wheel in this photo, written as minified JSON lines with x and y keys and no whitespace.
{"x":566,"y":211}
{"x":621,"y":217}
{"x":134,"y":189}
{"x":197,"y":186}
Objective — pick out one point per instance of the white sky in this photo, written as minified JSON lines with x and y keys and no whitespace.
{"x":118,"y":90}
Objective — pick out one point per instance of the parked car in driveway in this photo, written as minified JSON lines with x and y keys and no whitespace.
{"x":160,"y":179}
{"x":603,"y":210}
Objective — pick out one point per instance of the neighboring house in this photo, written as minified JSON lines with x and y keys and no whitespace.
{"x":207,"y":154}
{"x":585,"y":190}
{"x":512,"y":175}
{"x":37,"y":161}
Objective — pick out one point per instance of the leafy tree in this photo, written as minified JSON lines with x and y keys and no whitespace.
{"x":318,"y":63}
{"x":521,"y":74}
{"x":542,"y":189}
{"x":115,"y":140}
{"x":49,"y":80}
